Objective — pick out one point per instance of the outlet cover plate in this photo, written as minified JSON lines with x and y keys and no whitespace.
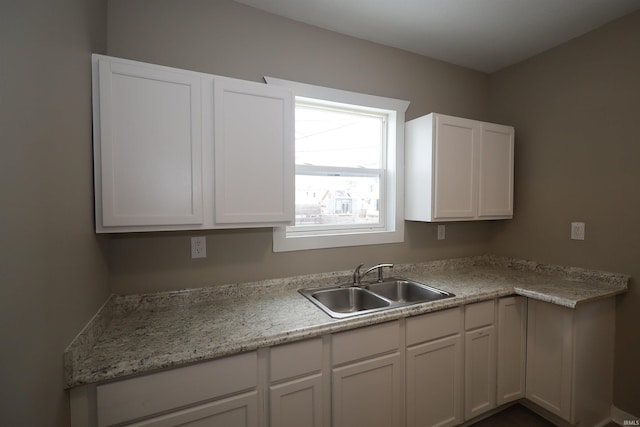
{"x":577,"y":230}
{"x":199,"y":247}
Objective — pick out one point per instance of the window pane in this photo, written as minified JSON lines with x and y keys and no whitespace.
{"x":327,"y":137}
{"x":337,"y":200}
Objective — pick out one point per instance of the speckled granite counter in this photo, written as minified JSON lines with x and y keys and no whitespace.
{"x":143,"y":333}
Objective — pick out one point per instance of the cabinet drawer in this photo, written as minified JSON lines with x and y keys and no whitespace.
{"x":292,"y":360}
{"x":434,"y":325}
{"x":365,"y":342}
{"x":479,"y":314}
{"x":239,"y":410}
{"x":142,"y":396}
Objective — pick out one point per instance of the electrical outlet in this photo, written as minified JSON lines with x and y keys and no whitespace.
{"x":577,"y":230}
{"x":199,"y":247}
{"x":441,"y":232}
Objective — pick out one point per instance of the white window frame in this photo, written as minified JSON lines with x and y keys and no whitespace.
{"x":393,"y":199}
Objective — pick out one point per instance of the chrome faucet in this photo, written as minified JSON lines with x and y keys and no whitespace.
{"x":357,"y":277}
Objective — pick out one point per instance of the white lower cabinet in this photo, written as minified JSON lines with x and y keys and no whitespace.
{"x":550,"y":357}
{"x":297,"y":403}
{"x":296,"y":397}
{"x":512,"y":348}
{"x":366,"y":377}
{"x":367,"y":393}
{"x":222,"y":392}
{"x":435,"y":369}
{"x":237,"y":411}
{"x":480,"y":358}
{"x":570,"y":359}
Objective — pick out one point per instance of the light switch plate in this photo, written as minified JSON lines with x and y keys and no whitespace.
{"x":441,"y":232}
{"x":577,"y":230}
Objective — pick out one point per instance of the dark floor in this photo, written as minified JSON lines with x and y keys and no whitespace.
{"x":518,"y":416}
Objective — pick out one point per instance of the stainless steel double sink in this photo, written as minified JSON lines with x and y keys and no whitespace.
{"x":353,"y":300}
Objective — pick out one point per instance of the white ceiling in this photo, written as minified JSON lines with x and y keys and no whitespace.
{"x":485,"y":35}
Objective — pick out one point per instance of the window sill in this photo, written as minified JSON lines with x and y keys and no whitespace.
{"x":284,"y":243}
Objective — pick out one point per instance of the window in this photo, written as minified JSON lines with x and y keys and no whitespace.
{"x":340,"y":167}
{"x":349,"y":175}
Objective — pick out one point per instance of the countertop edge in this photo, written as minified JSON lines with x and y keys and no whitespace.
{"x":566,"y":302}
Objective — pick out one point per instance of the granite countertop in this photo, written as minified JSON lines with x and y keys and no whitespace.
{"x":142,"y":333}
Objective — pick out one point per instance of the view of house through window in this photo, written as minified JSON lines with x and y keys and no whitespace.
{"x":340,"y":166}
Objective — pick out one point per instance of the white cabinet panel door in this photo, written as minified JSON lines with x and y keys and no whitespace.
{"x":148,"y":151}
{"x":435,"y":383}
{"x":297,"y":403}
{"x":254,"y":176}
{"x":455,"y":167}
{"x":550,"y":357}
{"x":512,"y":348}
{"x":495,"y":198}
{"x":367,"y":393}
{"x":480,"y":371}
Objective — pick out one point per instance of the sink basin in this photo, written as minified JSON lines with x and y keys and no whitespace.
{"x":346,"y":301}
{"x":342,"y":302}
{"x":405,"y":291}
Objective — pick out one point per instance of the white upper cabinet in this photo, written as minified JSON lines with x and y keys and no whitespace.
{"x":253,"y":153}
{"x":458,"y":169}
{"x":147,"y":146}
{"x":180,"y":150}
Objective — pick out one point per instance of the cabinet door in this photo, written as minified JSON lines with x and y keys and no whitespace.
{"x":367,"y":393}
{"x":512,"y":348}
{"x":495,"y":196}
{"x":435,"y":383}
{"x":297,"y":403}
{"x":480,"y":371}
{"x":455,"y":171}
{"x":147,"y":145}
{"x":549,"y":357}
{"x":237,"y":411}
{"x":254,"y":157}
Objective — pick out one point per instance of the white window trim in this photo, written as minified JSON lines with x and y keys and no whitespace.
{"x":394,"y":231}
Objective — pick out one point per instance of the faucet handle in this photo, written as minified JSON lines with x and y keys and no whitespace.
{"x":380,"y":267}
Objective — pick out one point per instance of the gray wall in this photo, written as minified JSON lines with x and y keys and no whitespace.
{"x":226,"y":38}
{"x":53,"y":271}
{"x":576,"y":110}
